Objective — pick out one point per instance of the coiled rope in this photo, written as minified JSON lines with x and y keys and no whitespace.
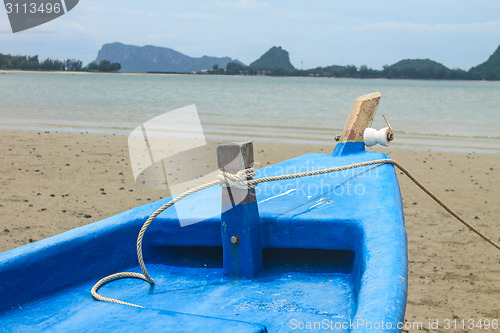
{"x":242,"y":180}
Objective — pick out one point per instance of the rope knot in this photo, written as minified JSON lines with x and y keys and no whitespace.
{"x":241,"y":179}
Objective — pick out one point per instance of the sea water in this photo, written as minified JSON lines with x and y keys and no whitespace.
{"x":445,"y":115}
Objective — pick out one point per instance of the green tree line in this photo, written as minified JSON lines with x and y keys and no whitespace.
{"x":406,"y":69}
{"x":31,"y":63}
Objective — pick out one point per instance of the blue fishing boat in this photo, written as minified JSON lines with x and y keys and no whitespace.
{"x":319,"y":250}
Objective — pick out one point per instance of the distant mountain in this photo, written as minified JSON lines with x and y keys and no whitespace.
{"x":276,"y":62}
{"x":274,"y":58}
{"x":488,"y":70}
{"x":151,"y":58}
{"x":417,"y":69}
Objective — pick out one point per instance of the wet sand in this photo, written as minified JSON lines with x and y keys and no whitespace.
{"x":51,"y":182}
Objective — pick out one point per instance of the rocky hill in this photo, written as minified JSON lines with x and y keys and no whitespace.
{"x":488,"y":70}
{"x":417,"y":69}
{"x":151,"y":58}
{"x":274,"y":58}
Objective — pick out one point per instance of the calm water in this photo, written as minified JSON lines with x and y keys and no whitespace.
{"x":447,"y":115}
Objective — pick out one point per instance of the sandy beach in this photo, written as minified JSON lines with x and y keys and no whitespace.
{"x":51,"y":182}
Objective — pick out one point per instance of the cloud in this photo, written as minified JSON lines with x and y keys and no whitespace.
{"x":242,"y":5}
{"x":93,"y":7}
{"x":128,"y":11}
{"x":5,"y":26}
{"x":475,"y":27}
{"x":77,"y":27}
{"x":164,"y":36}
{"x":297,"y":14}
{"x":193,"y":16}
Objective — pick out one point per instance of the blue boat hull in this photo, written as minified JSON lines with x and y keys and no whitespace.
{"x":334,"y":257}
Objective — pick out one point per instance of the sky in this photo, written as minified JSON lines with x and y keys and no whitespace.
{"x":457,"y":33}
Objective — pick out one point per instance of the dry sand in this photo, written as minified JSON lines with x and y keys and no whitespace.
{"x":51,"y":182}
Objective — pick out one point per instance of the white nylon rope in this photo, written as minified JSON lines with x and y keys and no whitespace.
{"x":242,"y":180}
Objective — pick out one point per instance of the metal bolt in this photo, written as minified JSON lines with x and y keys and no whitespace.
{"x":235,"y":240}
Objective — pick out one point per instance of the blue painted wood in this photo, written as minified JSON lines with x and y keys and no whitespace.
{"x":239,"y":216}
{"x":334,"y":254}
{"x":241,"y":240}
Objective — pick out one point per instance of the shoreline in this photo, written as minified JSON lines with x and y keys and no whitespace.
{"x":6,"y":71}
{"x":412,"y":141}
{"x":53,"y":182}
